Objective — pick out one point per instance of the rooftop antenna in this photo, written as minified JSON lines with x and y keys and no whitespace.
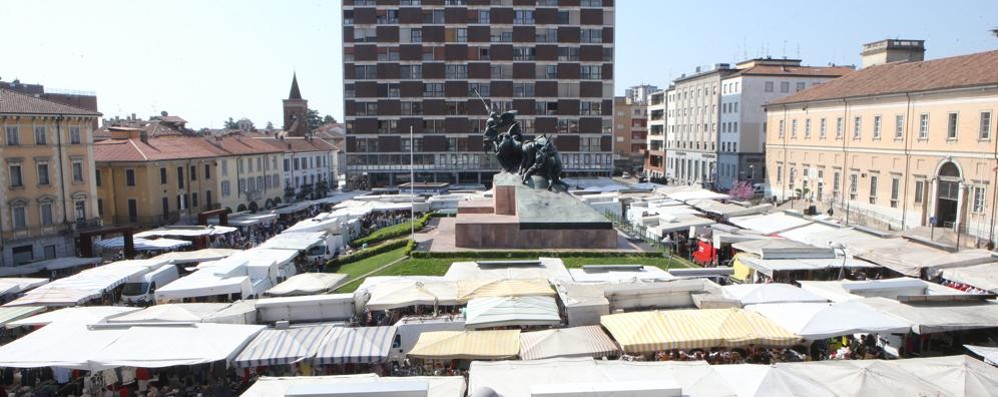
{"x":798,"y":50}
{"x":784,"y":49}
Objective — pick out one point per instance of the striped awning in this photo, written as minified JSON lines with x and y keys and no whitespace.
{"x":644,"y":332}
{"x":8,"y":314}
{"x":467,"y":345}
{"x":283,"y":346}
{"x":470,"y":289}
{"x":588,"y":341}
{"x":362,"y":345}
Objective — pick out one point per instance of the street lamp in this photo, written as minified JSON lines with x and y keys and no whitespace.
{"x":840,"y":246}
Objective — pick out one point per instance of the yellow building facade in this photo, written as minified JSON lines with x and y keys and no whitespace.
{"x":48,"y":180}
{"x":900,"y":145}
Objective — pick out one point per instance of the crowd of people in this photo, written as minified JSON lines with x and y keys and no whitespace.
{"x":378,"y":220}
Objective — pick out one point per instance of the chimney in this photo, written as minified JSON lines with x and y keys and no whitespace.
{"x":144,"y":137}
{"x":891,"y":50}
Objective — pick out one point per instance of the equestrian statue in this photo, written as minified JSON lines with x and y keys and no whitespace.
{"x":538,"y":156}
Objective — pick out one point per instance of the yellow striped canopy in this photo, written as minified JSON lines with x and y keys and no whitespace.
{"x":644,"y":332}
{"x":470,"y":289}
{"x":467,"y":345}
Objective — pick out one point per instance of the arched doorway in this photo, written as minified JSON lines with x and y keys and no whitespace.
{"x":947,"y":194}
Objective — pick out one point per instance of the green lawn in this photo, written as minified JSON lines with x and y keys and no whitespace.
{"x":363,"y":266}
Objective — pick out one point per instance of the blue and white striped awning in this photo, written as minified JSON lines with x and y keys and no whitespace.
{"x":283,"y":346}
{"x":362,"y":345}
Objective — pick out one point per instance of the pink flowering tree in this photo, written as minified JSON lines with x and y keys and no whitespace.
{"x":741,"y":190}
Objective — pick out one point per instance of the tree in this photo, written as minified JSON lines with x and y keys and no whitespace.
{"x":314,"y":120}
{"x":329,"y":119}
{"x":741,"y":190}
{"x":270,"y":126}
{"x":231,"y":124}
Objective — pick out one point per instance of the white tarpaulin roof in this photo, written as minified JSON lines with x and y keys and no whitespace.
{"x":942,"y":376}
{"x":505,"y":311}
{"x":751,"y":380}
{"x":142,"y":244}
{"x":770,"y":266}
{"x":518,"y":378}
{"x":48,"y":265}
{"x":87,"y":284}
{"x":358,"y":345}
{"x":186,"y":231}
{"x":16,"y":285}
{"x":769,"y":223}
{"x":751,"y":294}
{"x":292,"y":208}
{"x":298,"y":241}
{"x":989,"y":354}
{"x":202,"y":255}
{"x":814,"y":321}
{"x":204,"y":282}
{"x":611,"y":274}
{"x":678,"y":223}
{"x":54,"y":297}
{"x":323,"y":222}
{"x":74,"y":315}
{"x":983,"y":276}
{"x":698,"y":194}
{"x":913,"y":259}
{"x":891,"y":288}
{"x":283,"y":346}
{"x":9,"y":314}
{"x":437,"y":386}
{"x":928,"y":319}
{"x":587,"y":341}
{"x":855,"y":241}
{"x":407,"y":292}
{"x":171,"y":312}
{"x":247,"y":219}
{"x":552,"y":269}
{"x":308,"y":284}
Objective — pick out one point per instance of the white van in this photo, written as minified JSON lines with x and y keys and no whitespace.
{"x":142,"y":291}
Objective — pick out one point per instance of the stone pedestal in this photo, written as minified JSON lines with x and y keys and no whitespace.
{"x":528,"y":218}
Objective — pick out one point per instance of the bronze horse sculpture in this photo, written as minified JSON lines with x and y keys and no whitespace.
{"x":504,"y":137}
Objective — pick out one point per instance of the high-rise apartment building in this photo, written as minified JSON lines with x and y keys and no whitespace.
{"x":630,"y":128}
{"x":655,"y":158}
{"x":422,"y":64}
{"x":691,"y":139}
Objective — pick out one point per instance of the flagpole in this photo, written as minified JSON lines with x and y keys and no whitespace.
{"x":412,"y":187}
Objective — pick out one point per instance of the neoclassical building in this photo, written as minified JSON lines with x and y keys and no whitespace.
{"x":904,"y":144}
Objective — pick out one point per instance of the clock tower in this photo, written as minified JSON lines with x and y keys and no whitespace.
{"x":295,"y":111}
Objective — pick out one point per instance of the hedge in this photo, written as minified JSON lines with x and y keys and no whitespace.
{"x":335,"y":263}
{"x":533,"y":254}
{"x":391,"y":232}
{"x":410,"y":246}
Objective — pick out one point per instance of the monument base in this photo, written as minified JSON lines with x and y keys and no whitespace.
{"x":526,"y":218}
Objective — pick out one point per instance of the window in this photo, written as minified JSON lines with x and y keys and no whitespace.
{"x":225,"y":167}
{"x":194,"y":173}
{"x":985,"y":132}
{"x":180,"y":177}
{"x":241,"y":165}
{"x":74,"y":135}
{"x":919,"y":190}
{"x":97,"y":176}
{"x":524,"y":53}
{"x":838,"y":128}
{"x":591,"y":72}
{"x":784,"y":86}
{"x":162,"y":176}
{"x":207,"y":197}
{"x":781,"y":129}
{"x":822,"y":128}
{"x":801,"y":86}
{"x":40,"y":135}
{"x":523,"y":17}
{"x":899,"y":127}
{"x":77,"y":171}
{"x":226,"y":188}
{"x":592,"y":36}
{"x":194,"y":200}
{"x":457,"y":71}
{"x":874,"y":178}
{"x":416,"y":35}
{"x":484,"y":16}
{"x":895,"y":190}
{"x":165,"y":203}
{"x":81,"y":210}
{"x":100,"y":207}
{"x":462,"y":35}
{"x":568,"y":53}
{"x":46,"y":213}
{"x":876,"y":127}
{"x":923,"y":126}
{"x":133,"y":210}
{"x":129,"y":177}
{"x":807,"y":129}
{"x":43,"y":173}
{"x":857,"y":127}
{"x":207,"y":171}
{"x":951,"y":126}
{"x":853,"y":186}
{"x":523,"y":90}
{"x":793,"y":129}
{"x":979,"y":199}
{"x":836,"y":183}
{"x":779,"y":173}
{"x":20,"y":220}
{"x":13,"y":136}
{"x":769,"y":86}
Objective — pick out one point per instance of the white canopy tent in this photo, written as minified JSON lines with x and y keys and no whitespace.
{"x":437,"y":386}
{"x":88,"y":284}
{"x":298,"y":241}
{"x":16,"y":285}
{"x":619,"y":273}
{"x":73,"y":315}
{"x":769,"y":223}
{"x":588,"y":341}
{"x":186,"y":231}
{"x":551,"y":269}
{"x":813,"y":321}
{"x":308,"y":284}
{"x":202,"y":255}
{"x":984,"y":276}
{"x":750,"y":380}
{"x":283,"y":346}
{"x":769,"y":267}
{"x":48,"y":265}
{"x":10,"y":314}
{"x":916,"y":260}
{"x":245,"y":219}
{"x":408,"y":292}
{"x":891,"y":288}
{"x":989,"y":354}
{"x":142,"y":244}
{"x":324,"y":222}
{"x":172,"y":312}
{"x":506,"y":311}
{"x":913,"y":377}
{"x":751,"y":294}
{"x":929,"y":319}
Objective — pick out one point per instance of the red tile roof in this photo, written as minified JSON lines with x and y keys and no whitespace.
{"x":901,"y":77}
{"x":298,"y":144}
{"x":810,"y":71}
{"x":236,"y":145}
{"x":163,"y":148}
{"x":12,"y":102}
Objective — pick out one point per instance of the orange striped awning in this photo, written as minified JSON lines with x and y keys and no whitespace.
{"x":467,"y":345}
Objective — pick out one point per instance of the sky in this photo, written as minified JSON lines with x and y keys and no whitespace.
{"x":207,"y":61}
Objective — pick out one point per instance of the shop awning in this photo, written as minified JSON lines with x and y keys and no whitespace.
{"x":989,"y":354}
{"x":16,"y":285}
{"x":588,"y":341}
{"x":283,"y":346}
{"x":54,"y":297}
{"x":769,"y":223}
{"x":751,"y":294}
{"x":308,"y":284}
{"x":203,"y":255}
{"x":360,"y":345}
{"x":935,"y":318}
{"x":643,"y":332}
{"x":506,"y":311}
{"x":73,"y":315}
{"x":48,"y":265}
{"x":984,"y":276}
{"x":814,"y":321}
{"x":171,"y":312}
{"x":186,"y":231}
{"x":467,"y":345}
{"x":10,"y":314}
{"x":340,"y":385}
{"x":172,"y":345}
{"x":142,"y":244}
{"x":471,"y":289}
{"x":298,"y":241}
{"x":917,"y":260}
